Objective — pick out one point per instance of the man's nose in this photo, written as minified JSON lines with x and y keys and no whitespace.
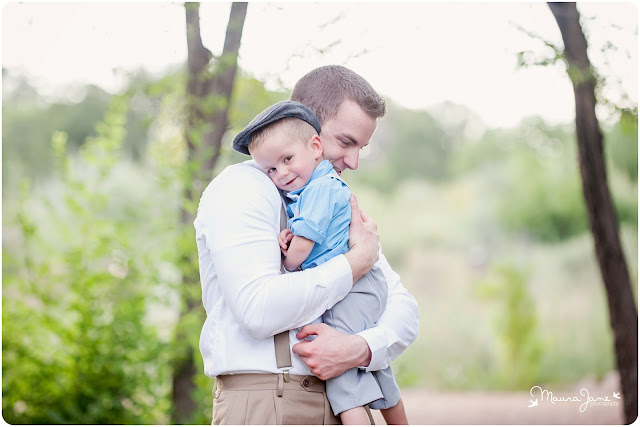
{"x":351,"y":159}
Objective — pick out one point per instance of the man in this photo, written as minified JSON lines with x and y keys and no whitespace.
{"x":248,"y":301}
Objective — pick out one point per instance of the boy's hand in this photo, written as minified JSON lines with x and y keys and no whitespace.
{"x":284,"y":238}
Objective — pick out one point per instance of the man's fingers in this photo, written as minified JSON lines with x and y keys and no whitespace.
{"x":355,"y":210}
{"x":366,"y":219}
{"x":359,"y":216}
{"x":301,"y":349}
{"x":313,"y":329}
{"x":364,"y":216}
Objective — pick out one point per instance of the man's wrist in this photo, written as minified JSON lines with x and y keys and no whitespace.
{"x":364,"y":353}
{"x":358,"y":263}
{"x":377,"y":345}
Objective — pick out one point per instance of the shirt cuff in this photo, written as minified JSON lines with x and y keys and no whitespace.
{"x":337,"y":272}
{"x":377,"y":344}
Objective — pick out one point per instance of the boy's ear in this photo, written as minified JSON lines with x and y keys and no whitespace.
{"x":316,"y":146}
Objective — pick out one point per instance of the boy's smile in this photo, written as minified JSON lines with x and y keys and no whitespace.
{"x":287,"y":161}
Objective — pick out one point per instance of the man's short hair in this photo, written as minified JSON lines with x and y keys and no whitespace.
{"x":324,"y":89}
{"x":294,"y":128}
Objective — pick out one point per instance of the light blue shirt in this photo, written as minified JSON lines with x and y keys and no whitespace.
{"x":321,"y":212}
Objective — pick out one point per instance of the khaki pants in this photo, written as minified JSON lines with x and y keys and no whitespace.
{"x":268,"y":399}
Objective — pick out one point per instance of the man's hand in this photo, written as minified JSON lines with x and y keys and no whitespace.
{"x":284,"y":238}
{"x":364,"y":244}
{"x":332,"y":352}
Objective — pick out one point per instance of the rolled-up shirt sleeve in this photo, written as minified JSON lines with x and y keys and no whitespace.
{"x":397,"y":327}
{"x":237,"y":225}
{"x":315,"y":209}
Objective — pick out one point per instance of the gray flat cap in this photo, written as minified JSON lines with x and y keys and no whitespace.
{"x":275,"y":112}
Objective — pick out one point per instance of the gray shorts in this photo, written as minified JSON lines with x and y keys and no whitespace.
{"x":360,"y":310}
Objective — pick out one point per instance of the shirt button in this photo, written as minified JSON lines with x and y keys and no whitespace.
{"x":306,"y":382}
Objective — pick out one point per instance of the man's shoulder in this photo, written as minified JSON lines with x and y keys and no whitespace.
{"x":241,"y":177}
{"x":245,"y":170}
{"x":240,"y":183}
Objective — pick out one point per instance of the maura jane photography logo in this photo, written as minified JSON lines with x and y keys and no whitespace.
{"x":539,"y":396}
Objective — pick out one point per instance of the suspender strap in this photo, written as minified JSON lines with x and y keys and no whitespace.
{"x":281,"y":340}
{"x":283,"y":355}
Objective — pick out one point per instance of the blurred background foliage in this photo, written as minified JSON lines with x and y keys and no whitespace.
{"x":486,"y":227}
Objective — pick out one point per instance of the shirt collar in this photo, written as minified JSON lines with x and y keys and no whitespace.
{"x":321,"y":170}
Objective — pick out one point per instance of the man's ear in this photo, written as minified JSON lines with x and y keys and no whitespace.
{"x":316,"y":146}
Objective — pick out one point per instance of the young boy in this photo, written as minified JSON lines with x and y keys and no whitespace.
{"x":284,"y":141}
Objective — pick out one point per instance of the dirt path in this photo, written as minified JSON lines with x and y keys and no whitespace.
{"x":431,"y":407}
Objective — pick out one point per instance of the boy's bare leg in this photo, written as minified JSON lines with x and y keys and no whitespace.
{"x":395,"y":415}
{"x":355,"y":416}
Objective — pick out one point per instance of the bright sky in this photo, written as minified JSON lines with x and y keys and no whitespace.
{"x":416,"y":54}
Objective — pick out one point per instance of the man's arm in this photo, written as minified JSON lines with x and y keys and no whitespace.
{"x":238,"y":221}
{"x":333,"y":353}
{"x":397,"y":327}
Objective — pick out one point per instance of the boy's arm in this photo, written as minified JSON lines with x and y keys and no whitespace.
{"x":298,"y":251}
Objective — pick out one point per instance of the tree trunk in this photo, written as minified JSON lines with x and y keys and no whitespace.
{"x":209,"y":88}
{"x":208,"y":94}
{"x":602,"y":216}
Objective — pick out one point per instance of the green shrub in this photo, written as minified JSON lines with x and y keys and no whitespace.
{"x":516,"y":326}
{"x":543,"y":199}
{"x":77,"y":282}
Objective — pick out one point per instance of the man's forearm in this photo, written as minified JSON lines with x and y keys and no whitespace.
{"x":398,"y":326}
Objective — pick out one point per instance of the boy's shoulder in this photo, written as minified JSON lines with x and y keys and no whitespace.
{"x":330,"y":181}
{"x":330,"y":186}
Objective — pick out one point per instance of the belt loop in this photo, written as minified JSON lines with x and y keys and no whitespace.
{"x":281,"y":385}
{"x":216,"y":391}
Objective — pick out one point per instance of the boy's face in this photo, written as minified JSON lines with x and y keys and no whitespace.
{"x":289,"y":163}
{"x":344,"y":135}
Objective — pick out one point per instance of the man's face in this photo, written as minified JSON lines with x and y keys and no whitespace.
{"x":344,"y":135}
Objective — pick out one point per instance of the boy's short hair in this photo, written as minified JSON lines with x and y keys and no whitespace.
{"x":294,"y":128}
{"x":324,"y":89}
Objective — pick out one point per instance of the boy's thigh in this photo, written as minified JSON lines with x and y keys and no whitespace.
{"x":362,"y":307}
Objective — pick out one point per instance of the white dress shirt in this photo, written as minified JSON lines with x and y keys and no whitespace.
{"x":248,"y":300}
